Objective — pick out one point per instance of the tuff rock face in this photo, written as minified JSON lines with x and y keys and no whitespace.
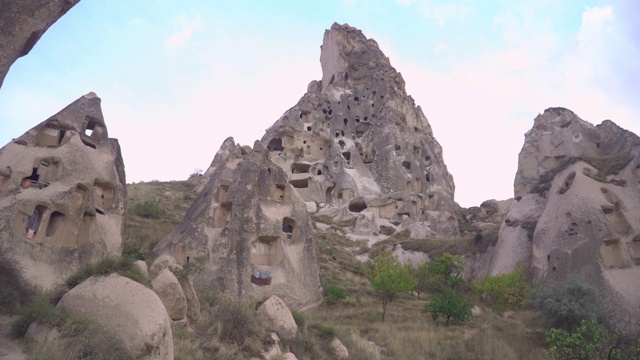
{"x":62,"y":193}
{"x":357,"y":142}
{"x":252,"y":228}
{"x":22,"y":23}
{"x":578,"y":187}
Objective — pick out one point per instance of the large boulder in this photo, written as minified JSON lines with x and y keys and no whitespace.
{"x":131,"y":312}
{"x":62,"y":193}
{"x":357,"y":142}
{"x":578,"y":187}
{"x":168,"y":288}
{"x":252,"y":229}
{"x":22,"y":23}
{"x":279,"y":317}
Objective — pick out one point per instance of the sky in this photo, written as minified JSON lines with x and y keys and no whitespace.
{"x":176,"y":78}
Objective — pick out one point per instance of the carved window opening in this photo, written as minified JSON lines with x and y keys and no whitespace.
{"x":275,"y":145}
{"x":266,"y":251}
{"x":357,"y":205}
{"x":300,"y":183}
{"x":300,"y":168}
{"x":55,"y":224}
{"x":104,"y":196}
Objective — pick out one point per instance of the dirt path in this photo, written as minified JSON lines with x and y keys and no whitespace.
{"x":10,"y":349}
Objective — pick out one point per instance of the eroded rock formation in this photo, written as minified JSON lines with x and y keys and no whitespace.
{"x":357,"y":142}
{"x":578,"y":209}
{"x":252,"y":228}
{"x":62,"y":193}
{"x":22,"y":23}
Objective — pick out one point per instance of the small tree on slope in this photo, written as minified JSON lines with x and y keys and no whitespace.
{"x":389,"y":277}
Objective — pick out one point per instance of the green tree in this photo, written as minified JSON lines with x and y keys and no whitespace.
{"x":389,"y":277}
{"x":444,"y":271}
{"x":421,"y":276}
{"x":449,"y":304}
{"x":445,"y":274}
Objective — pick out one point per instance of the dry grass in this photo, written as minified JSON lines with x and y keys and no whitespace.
{"x":174,"y":197}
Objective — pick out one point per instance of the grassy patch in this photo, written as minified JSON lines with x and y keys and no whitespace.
{"x":16,"y":292}
{"x":80,"y":338}
{"x":109,"y":265}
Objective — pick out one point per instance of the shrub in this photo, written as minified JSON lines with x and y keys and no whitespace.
{"x":109,"y":265}
{"x":449,"y":304}
{"x":324,"y":330}
{"x":15,"y":291}
{"x":387,"y":230}
{"x":505,"y":291}
{"x":567,"y":305}
{"x":334,"y":293}
{"x":148,"y":209}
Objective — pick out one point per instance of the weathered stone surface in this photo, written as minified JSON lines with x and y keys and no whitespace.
{"x":133,"y":313}
{"x":247,"y":221}
{"x":168,"y":289}
{"x":280,"y":318}
{"x":357,"y":142}
{"x":63,"y":179}
{"x":193,"y":303}
{"x":340,"y":351}
{"x":22,"y":23}
{"x":579,"y":187}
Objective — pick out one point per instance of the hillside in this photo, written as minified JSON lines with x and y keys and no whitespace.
{"x":407,"y":333}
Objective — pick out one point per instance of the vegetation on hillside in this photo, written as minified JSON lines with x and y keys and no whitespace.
{"x":16,"y":292}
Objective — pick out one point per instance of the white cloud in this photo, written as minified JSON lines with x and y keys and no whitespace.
{"x":136,"y":21}
{"x":441,"y":13}
{"x":187,"y":28}
{"x":440,"y":48}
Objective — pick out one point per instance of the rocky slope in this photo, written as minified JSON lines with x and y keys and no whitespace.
{"x":62,"y":193}
{"x":578,"y":208}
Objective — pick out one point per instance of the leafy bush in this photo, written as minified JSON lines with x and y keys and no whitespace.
{"x":334,"y":293}
{"x":505,"y":291}
{"x":592,"y":341}
{"x":148,"y":209}
{"x":109,"y":265}
{"x":567,"y":305}
{"x":15,"y":290}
